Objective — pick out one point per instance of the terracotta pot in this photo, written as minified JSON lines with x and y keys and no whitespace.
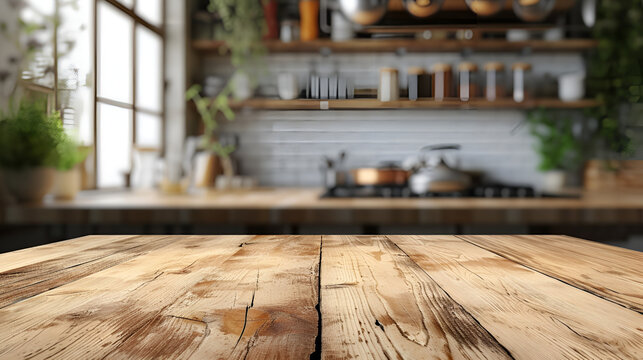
{"x":66,"y":184}
{"x":30,"y":184}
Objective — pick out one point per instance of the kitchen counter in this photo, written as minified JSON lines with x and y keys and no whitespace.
{"x":329,"y":297}
{"x":303,"y":206}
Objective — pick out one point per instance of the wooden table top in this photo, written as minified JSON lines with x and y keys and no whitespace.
{"x":330,"y":297}
{"x":304,"y":206}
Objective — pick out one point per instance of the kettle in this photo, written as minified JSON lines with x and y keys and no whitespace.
{"x":439,"y":177}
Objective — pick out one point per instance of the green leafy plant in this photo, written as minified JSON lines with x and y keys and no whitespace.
{"x":69,"y":154}
{"x":241,"y":30}
{"x":615,"y":71}
{"x":557,"y":146}
{"x":29,"y":137}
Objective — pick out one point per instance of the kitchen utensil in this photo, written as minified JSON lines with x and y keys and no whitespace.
{"x":571,"y":87}
{"x":363,"y":12}
{"x":442,"y":80}
{"x":519,"y":77}
{"x":486,"y":7}
{"x":468,"y":80}
{"x":419,"y":83}
{"x":389,"y":88}
{"x":288,"y":86}
{"x":495,"y":80}
{"x":308,"y":14}
{"x":533,"y":10}
{"x":439,"y":177}
{"x":423,"y":8}
{"x":386,"y":174}
{"x":588,"y":12}
{"x":289,"y":31}
{"x":341,"y":29}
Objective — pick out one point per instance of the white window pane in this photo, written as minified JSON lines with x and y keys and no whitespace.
{"x":114,"y":54}
{"x":114,"y":145}
{"x":127,"y":3}
{"x":148,"y":130}
{"x":149,"y":82}
{"x":150,"y":10}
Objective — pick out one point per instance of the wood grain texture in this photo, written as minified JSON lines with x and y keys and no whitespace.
{"x":210,"y":297}
{"x":26,"y":281}
{"x":256,"y":297}
{"x":378,"y":304}
{"x":304,"y":206}
{"x":612,"y":273}
{"x":533,"y":315}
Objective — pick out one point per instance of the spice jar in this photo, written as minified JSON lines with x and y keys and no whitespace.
{"x":520,"y":80}
{"x":495,"y":81}
{"x":389,"y":89}
{"x":442,"y":81}
{"x":419,"y":83}
{"x":467,"y":81}
{"x":309,"y":15}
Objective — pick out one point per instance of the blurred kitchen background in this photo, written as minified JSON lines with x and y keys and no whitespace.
{"x":321,"y":117}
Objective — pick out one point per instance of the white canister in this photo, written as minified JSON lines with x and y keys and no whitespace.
{"x":241,"y":86}
{"x":389,"y":89}
{"x":288,"y":86}
{"x":571,"y":87}
{"x":340,"y":28}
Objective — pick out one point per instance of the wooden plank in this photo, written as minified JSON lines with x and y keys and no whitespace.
{"x":377,"y":304}
{"x":410,"y":45}
{"x":612,"y":273}
{"x":533,"y":315}
{"x":28,"y":256}
{"x":23,"y":282}
{"x":199,"y":297}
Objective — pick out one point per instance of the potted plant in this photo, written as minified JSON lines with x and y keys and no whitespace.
{"x":67,"y":182}
{"x":28,"y":150}
{"x":557,"y":146}
{"x":241,"y":29}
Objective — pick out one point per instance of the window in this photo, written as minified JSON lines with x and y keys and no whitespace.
{"x":129,"y":84}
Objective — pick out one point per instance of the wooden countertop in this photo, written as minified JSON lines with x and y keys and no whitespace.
{"x":329,"y":297}
{"x":303,"y":206}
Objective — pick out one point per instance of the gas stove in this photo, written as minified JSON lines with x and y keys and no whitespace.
{"x":478,"y":191}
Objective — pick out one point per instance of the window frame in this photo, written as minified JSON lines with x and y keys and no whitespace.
{"x":159,"y":30}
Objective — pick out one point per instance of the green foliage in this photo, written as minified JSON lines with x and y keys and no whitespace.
{"x":208,"y":110}
{"x":29,"y":137}
{"x":556,"y":144}
{"x":615,"y":73}
{"x":242,"y":28}
{"x":69,"y":154}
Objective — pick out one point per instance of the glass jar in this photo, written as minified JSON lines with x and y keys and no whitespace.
{"x":468,"y":81}
{"x":495,"y":81}
{"x":521,"y":81}
{"x":389,"y":87}
{"x":442,"y":81}
{"x":419,"y":83}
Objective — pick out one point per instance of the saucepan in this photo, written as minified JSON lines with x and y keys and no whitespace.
{"x":385,"y":174}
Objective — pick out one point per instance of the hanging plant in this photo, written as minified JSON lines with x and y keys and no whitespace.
{"x":615,"y":71}
{"x":241,"y":30}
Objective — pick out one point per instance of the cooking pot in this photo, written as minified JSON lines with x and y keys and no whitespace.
{"x":386,"y":174}
{"x":439,"y":177}
{"x":363,"y":12}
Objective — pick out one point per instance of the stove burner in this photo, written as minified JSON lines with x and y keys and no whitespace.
{"x":479,"y":191}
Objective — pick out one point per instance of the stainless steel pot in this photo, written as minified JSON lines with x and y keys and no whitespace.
{"x":363,"y":12}
{"x":439,"y":177}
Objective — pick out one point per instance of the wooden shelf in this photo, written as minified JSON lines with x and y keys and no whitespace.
{"x":410,"y":45}
{"x":374,"y":104}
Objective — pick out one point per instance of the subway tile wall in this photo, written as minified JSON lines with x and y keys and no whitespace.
{"x":285,"y":148}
